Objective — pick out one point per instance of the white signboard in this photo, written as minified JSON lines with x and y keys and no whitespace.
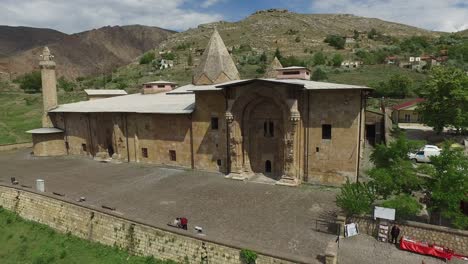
{"x":384,"y":213}
{"x":351,"y":230}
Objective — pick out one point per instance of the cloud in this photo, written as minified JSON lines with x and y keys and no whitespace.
{"x":441,"y":15}
{"x":79,"y":15}
{"x":208,"y":3}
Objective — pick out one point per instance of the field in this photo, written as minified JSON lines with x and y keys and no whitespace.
{"x":29,"y":242}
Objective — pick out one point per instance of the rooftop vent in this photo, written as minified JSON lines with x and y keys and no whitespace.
{"x":293,"y":72}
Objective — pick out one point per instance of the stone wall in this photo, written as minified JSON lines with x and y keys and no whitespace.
{"x":9,"y":147}
{"x":136,"y":237}
{"x":49,"y":144}
{"x":454,"y":239}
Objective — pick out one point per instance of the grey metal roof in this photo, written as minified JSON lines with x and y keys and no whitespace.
{"x":160,"y":82}
{"x":292,"y":68}
{"x":45,"y":130}
{"x":105,"y":92}
{"x":160,"y":103}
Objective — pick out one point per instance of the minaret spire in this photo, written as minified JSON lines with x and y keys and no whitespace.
{"x":49,"y":86}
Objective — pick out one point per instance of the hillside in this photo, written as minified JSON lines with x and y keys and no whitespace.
{"x":18,"y":39}
{"x":91,"y":52}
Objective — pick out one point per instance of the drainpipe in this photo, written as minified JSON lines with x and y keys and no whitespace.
{"x":306,"y":129}
{"x":359,"y":139}
{"x":228,"y":157}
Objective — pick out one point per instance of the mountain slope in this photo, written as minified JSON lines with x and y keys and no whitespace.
{"x":17,"y":39}
{"x":91,"y":52}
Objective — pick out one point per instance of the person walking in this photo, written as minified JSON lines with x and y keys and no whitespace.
{"x":395,"y":232}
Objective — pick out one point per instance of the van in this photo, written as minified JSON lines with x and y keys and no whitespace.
{"x":425,"y":154}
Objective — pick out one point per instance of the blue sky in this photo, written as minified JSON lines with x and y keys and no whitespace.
{"x":79,"y":15}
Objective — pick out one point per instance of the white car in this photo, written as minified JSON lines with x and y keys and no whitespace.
{"x":425,"y":154}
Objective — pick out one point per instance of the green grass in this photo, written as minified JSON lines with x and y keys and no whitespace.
{"x":29,"y":242}
{"x":20,"y":112}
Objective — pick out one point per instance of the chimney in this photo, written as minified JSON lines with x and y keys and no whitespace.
{"x":49,"y":86}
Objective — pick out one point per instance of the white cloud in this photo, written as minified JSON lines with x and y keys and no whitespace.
{"x":442,"y":15}
{"x":79,"y":15}
{"x":208,"y":3}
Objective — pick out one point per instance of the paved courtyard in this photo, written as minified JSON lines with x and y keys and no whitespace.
{"x":273,"y":219}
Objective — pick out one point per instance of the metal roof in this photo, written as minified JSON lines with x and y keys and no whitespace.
{"x":160,"y":82}
{"x":45,"y":130}
{"x":105,"y":92}
{"x":292,"y":68}
{"x":160,"y":103}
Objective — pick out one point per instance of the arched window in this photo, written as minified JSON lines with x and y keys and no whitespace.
{"x":267,"y":166}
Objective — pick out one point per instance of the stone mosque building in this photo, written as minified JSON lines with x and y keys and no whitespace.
{"x":285,"y":126}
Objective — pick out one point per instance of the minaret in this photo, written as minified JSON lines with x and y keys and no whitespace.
{"x":49,"y":86}
{"x":216,"y":65}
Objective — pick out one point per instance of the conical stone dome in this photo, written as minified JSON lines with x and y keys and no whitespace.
{"x":271,"y":71}
{"x":216,"y":65}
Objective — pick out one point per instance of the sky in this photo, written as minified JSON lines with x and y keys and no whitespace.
{"x":72,"y":16}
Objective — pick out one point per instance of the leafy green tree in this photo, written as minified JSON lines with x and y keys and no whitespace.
{"x":405,"y":205}
{"x":336,"y":60}
{"x":335,"y":41}
{"x":415,"y":45}
{"x":292,"y":61}
{"x":168,"y":56}
{"x":398,"y":86}
{"x":356,"y":198}
{"x":147,"y":58}
{"x":263,"y":58}
{"x":66,"y":85}
{"x":319,"y":75}
{"x":449,"y":184}
{"x":372,"y":33}
{"x":278,"y":54}
{"x":319,"y":58}
{"x":30,"y":82}
{"x":190,"y":59}
{"x":446,"y":97}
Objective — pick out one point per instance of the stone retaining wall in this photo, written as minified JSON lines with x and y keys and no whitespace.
{"x":452,"y":238}
{"x":16,"y":146}
{"x":109,"y":229}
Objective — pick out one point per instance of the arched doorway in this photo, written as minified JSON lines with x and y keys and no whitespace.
{"x":263,"y":132}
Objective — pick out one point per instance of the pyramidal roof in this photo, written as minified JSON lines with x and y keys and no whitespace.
{"x":271,"y":70}
{"x":216,"y":65}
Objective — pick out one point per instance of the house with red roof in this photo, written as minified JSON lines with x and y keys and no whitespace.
{"x":406,"y":112}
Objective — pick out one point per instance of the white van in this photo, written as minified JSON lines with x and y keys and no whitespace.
{"x":425,"y":154}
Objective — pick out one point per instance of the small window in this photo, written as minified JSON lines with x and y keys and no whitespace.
{"x":160,"y":86}
{"x":148,"y":86}
{"x":326,"y":132}
{"x":218,"y":162}
{"x":172,"y":155}
{"x":291,"y":72}
{"x":214,"y":123}
{"x":144,"y":152}
{"x":84,"y":148}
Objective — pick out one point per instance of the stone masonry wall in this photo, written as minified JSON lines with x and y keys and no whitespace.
{"x":138,"y":238}
{"x":454,"y":239}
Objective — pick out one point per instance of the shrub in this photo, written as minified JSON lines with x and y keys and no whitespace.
{"x":248,"y":256}
{"x":168,"y":56}
{"x":356,"y":198}
{"x":298,"y":39}
{"x":335,"y":41}
{"x":319,"y":58}
{"x":147,"y":58}
{"x":66,"y":85}
{"x":30,"y":82}
{"x":319,"y":75}
{"x":336,"y":60}
{"x":405,"y":206}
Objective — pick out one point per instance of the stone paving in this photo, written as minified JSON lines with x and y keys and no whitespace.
{"x":264,"y":217}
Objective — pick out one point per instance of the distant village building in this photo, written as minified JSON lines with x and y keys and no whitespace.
{"x":406,"y":112}
{"x":94,"y":94}
{"x":287,"y":128}
{"x":158,"y":87}
{"x":393,"y":60}
{"x":166,"y":64}
{"x":350,"y":64}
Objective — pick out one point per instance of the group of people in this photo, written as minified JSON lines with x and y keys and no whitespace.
{"x":181,"y":222}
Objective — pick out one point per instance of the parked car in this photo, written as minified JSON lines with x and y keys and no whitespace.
{"x":425,"y":153}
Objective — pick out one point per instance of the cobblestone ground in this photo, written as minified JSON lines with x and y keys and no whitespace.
{"x":273,"y":219}
{"x":365,"y":249}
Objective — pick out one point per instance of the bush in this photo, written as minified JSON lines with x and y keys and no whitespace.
{"x":298,"y":39}
{"x":168,"y":56}
{"x":248,"y":256}
{"x":405,"y":206}
{"x":336,"y":41}
{"x":356,"y":198}
{"x":319,"y":75}
{"x":147,"y":58}
{"x":319,"y":58}
{"x":30,"y":82}
{"x":398,"y":86}
{"x":336,"y":60}
{"x":66,"y":85}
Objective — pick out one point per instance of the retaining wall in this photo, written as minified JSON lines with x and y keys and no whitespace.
{"x":16,"y":146}
{"x":452,"y":238}
{"x":138,"y":238}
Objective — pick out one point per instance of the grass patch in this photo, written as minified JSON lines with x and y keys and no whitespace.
{"x":29,"y":242}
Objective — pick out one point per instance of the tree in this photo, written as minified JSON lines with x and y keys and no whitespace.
{"x":263,"y":58}
{"x":405,"y":206}
{"x":335,"y":41}
{"x":319,"y":75}
{"x":336,"y":60}
{"x":30,"y":82}
{"x":278,"y":54}
{"x":190,"y":59}
{"x":66,"y":85}
{"x":319,"y":58}
{"x":449,"y":185}
{"x":168,"y":56}
{"x":415,"y":44}
{"x":446,"y":97}
{"x":356,"y":198}
{"x":398,"y":86}
{"x":147,"y":58}
{"x":292,"y":61}
{"x":372,"y":33}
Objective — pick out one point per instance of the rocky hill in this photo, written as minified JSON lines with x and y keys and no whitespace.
{"x":90,"y":52}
